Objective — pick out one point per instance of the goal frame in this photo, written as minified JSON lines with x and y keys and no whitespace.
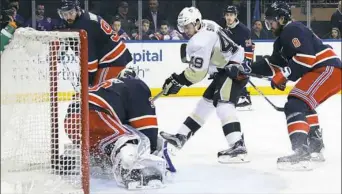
{"x":53,"y":79}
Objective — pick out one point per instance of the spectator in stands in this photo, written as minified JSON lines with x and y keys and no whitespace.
{"x":335,"y":33}
{"x":20,"y":21}
{"x":166,"y":33}
{"x":42,"y":23}
{"x":336,"y":18}
{"x":258,"y":32}
{"x":127,"y":21}
{"x":242,"y":8}
{"x":116,"y":25}
{"x":147,"y":34}
{"x":8,"y":25}
{"x":154,"y":15}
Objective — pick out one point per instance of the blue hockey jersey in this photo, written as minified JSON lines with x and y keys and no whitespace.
{"x":300,"y":49}
{"x":241,"y":35}
{"x":127,"y":100}
{"x":105,"y":48}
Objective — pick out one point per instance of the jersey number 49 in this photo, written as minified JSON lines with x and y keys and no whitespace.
{"x":227,"y":45}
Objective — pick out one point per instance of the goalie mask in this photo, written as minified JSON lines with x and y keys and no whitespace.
{"x":128,"y":73}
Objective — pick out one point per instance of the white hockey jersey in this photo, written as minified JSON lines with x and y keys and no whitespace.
{"x":210,"y":48}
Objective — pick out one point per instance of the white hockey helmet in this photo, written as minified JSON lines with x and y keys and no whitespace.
{"x":187,"y":16}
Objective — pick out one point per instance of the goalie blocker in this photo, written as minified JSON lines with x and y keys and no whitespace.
{"x":124,"y":130}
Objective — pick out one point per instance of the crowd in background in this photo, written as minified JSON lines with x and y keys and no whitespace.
{"x":159,"y":18}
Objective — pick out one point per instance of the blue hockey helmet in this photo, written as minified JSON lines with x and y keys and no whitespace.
{"x":231,"y":9}
{"x":68,"y":10}
{"x":276,"y":10}
{"x":67,"y":5}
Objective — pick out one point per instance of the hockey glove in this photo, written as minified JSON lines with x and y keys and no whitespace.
{"x":238,"y":71}
{"x":212,"y":76}
{"x":172,"y":85}
{"x":280,"y":78}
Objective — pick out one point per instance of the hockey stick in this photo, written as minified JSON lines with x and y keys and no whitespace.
{"x":183,"y":58}
{"x":183,"y":53}
{"x":262,"y":94}
{"x":74,"y":85}
{"x":157,"y":96}
{"x":259,"y":76}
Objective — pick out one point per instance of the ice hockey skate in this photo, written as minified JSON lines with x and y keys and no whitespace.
{"x":177,"y":140}
{"x":316,"y":145}
{"x":299,"y":161}
{"x":244,"y":103}
{"x":235,"y":154}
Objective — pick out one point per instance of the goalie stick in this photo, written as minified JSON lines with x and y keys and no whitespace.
{"x":72,"y":81}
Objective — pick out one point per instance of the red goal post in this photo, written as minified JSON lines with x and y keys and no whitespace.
{"x":42,"y":73}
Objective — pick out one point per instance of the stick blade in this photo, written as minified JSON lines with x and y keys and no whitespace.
{"x":183,"y":52}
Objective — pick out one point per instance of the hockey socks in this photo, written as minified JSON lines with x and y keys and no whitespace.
{"x":230,"y":123}
{"x":197,"y":118}
{"x":298,"y":129}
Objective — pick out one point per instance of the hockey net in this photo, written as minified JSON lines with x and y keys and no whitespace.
{"x":41,"y":74}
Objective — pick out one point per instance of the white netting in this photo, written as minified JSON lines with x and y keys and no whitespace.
{"x":40,"y":71}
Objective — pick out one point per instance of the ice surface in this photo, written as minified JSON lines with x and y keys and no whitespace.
{"x":266,"y":140}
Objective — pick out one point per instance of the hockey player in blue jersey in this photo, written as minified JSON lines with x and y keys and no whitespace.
{"x":241,"y":35}
{"x":299,"y":55}
{"x":107,"y":53}
{"x":123,"y":129}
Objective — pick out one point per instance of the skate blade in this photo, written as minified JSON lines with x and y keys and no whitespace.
{"x":317,"y":157}
{"x":152,"y":184}
{"x":299,"y":166}
{"x":244,"y":108}
{"x":241,"y":158}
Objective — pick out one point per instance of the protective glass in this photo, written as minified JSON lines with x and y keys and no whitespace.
{"x":268,"y":23}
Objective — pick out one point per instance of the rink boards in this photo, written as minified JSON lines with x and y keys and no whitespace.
{"x":154,"y":61}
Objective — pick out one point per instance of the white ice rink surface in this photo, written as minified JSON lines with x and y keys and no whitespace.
{"x":266,"y":139}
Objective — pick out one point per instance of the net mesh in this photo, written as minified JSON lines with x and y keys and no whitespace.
{"x":40,"y":73}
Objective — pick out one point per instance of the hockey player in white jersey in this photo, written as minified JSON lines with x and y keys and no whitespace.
{"x":212,"y":52}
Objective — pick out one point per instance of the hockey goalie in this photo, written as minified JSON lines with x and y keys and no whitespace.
{"x":124,"y":132}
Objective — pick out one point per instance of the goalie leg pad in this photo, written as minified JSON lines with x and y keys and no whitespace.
{"x":134,"y":167}
{"x":146,"y":178}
